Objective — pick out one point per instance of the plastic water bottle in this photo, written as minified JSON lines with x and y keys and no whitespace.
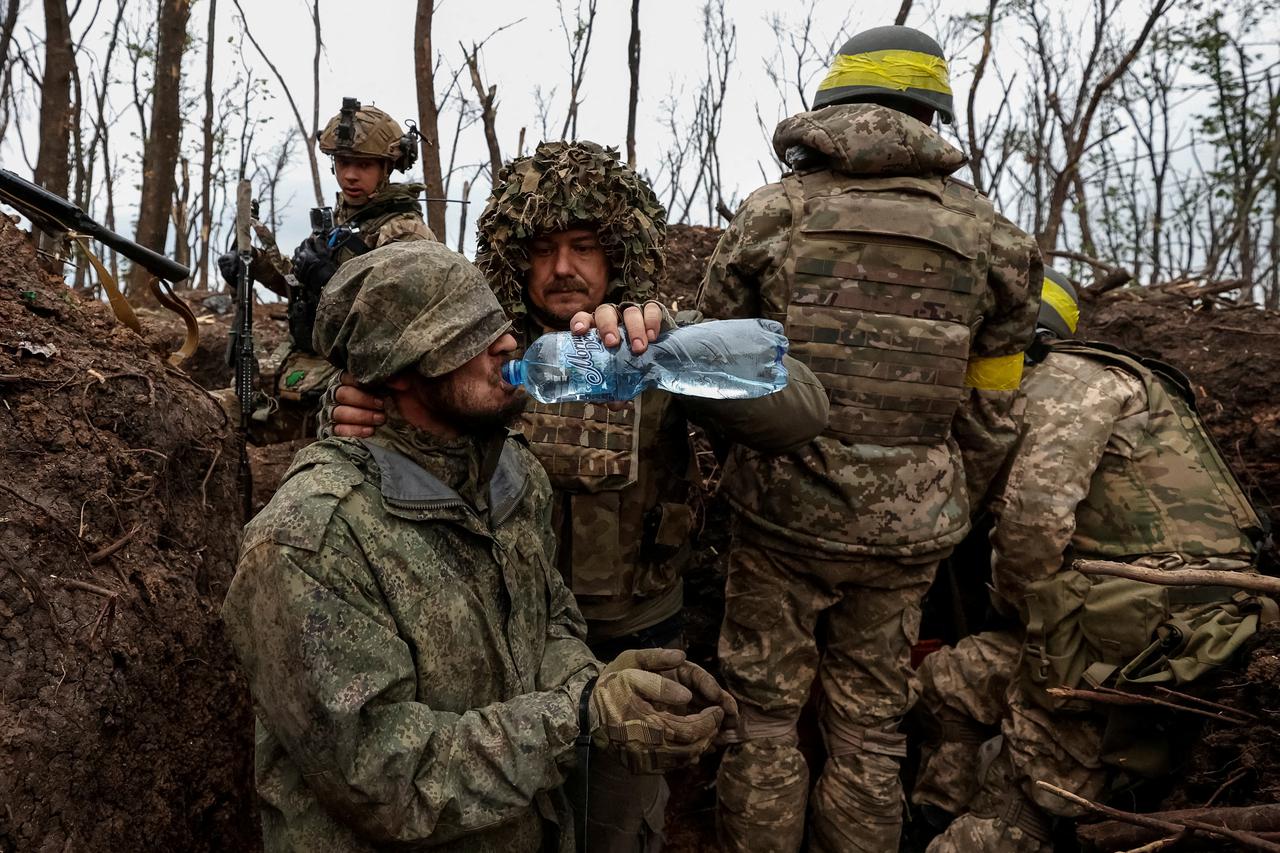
{"x":725,"y":359}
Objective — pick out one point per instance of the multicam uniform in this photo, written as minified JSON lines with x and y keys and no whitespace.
{"x":1114,"y":463}
{"x":622,"y":479}
{"x":910,"y":298}
{"x":294,"y":377}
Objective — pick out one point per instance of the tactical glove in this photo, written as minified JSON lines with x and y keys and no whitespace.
{"x":228,"y":266}
{"x":657,"y":710}
{"x":313,"y":263}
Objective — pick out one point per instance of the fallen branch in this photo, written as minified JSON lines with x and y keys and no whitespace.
{"x":85,"y":586}
{"x":1181,"y":577}
{"x":1165,"y":827}
{"x":102,"y":554}
{"x":1174,"y":694}
{"x":1113,"y":276}
{"x":1262,"y":820}
{"x":1111,"y":696}
{"x":1159,"y":844}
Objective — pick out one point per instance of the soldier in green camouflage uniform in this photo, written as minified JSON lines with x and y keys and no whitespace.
{"x":366,"y":145}
{"x":622,"y":476}
{"x":417,"y":664}
{"x":911,"y":299}
{"x":1113,"y":463}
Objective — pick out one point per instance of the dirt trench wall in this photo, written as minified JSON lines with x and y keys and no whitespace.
{"x":123,"y":724}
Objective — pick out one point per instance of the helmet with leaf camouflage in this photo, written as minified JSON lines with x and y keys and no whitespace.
{"x":566,"y":185}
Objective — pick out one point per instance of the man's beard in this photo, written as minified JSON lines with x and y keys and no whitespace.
{"x":454,"y":402}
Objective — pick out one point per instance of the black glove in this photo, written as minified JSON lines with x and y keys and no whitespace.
{"x":229,"y":266}
{"x":313,"y":262}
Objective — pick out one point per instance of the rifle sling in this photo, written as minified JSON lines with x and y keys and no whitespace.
{"x":162,"y":292}
{"x":119,"y":305}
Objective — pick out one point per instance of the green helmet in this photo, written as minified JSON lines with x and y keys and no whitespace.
{"x":406,"y":305}
{"x":889,"y":62}
{"x":568,"y":185}
{"x":368,"y":132}
{"x":1059,"y":305}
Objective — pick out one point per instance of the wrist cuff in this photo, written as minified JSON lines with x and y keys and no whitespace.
{"x":584,"y":712}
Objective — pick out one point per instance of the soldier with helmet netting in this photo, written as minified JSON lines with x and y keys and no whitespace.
{"x":366,"y":145}
{"x":912,"y":300}
{"x":568,"y":231}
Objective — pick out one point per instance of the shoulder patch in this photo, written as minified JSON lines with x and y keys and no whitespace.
{"x":320,"y":477}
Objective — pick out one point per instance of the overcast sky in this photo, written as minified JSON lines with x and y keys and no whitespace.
{"x":369,"y":55}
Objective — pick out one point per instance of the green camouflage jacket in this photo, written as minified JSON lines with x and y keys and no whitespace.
{"x":854,"y":496}
{"x":415,"y":660}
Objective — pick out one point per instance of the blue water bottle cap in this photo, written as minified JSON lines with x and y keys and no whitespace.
{"x":513,"y":372}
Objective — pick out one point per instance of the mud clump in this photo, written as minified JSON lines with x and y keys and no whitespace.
{"x":123,"y":722}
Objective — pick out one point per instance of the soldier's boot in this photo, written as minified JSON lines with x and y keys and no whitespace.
{"x":761,"y":791}
{"x":857,"y":803}
{"x":1001,"y":819}
{"x":949,"y":775}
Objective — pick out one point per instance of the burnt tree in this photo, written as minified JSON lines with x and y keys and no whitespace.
{"x":160,"y":157}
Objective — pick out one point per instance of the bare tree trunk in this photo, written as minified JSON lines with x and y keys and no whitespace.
{"x":579,"y":44}
{"x":182,"y":214}
{"x":53,"y":165}
{"x":8,"y":25}
{"x":160,"y":157}
{"x":633,"y":64}
{"x":429,"y":118}
{"x":288,"y":94}
{"x":6,"y":61}
{"x":977,"y":152}
{"x":1076,"y":131}
{"x":206,"y":163}
{"x":488,"y":109}
{"x":462,"y":217}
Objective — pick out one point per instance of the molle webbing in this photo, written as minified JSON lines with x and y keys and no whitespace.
{"x":583,"y":446}
{"x":887,"y":278}
{"x":1174,"y":494}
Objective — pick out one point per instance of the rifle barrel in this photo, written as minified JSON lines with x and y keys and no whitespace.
{"x":43,"y":207}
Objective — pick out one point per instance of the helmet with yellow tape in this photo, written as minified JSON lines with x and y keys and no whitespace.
{"x":888,"y":64}
{"x":1059,"y":305}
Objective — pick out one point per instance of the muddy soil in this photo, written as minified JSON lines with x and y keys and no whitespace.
{"x":123,"y":724}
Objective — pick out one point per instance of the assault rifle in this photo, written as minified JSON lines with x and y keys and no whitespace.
{"x":56,"y":217}
{"x":240,"y":346}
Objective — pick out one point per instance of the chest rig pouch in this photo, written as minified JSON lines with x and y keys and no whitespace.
{"x":887,"y":283}
{"x":590,"y":454}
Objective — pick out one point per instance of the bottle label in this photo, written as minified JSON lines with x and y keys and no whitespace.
{"x":582,"y":357}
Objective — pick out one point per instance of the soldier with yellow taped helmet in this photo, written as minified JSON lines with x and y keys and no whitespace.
{"x":1112,"y":462}
{"x":913,"y":301}
{"x":366,"y":146}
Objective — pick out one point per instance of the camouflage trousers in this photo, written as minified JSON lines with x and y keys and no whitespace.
{"x":850,"y":623}
{"x":989,"y":743}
